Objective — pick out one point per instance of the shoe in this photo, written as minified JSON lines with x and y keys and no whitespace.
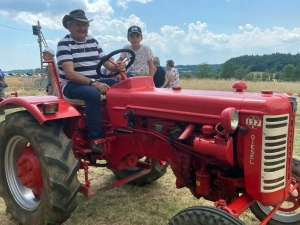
{"x":97,"y":148}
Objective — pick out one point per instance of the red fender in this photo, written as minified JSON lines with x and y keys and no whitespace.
{"x":33,"y":104}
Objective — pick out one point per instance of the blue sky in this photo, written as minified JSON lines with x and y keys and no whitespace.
{"x":189,"y":31}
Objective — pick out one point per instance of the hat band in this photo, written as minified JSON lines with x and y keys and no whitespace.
{"x":79,"y":17}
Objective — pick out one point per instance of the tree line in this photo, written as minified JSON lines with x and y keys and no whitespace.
{"x":276,"y":66}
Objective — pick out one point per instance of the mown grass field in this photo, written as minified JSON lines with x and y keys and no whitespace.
{"x":157,"y":203}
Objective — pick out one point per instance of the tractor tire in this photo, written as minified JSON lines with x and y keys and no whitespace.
{"x":279,"y":218}
{"x":203,"y":215}
{"x":54,"y":163}
{"x":157,"y":171}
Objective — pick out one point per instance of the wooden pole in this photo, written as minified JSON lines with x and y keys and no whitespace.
{"x":40,"y":44}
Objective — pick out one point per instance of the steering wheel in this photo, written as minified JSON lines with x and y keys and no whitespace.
{"x":107,"y":58}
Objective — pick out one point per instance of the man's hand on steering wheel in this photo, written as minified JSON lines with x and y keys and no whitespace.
{"x":115,"y":67}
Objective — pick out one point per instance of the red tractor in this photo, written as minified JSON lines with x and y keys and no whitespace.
{"x":232,"y":148}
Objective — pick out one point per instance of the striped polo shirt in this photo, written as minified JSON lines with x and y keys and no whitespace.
{"x":85,"y":56}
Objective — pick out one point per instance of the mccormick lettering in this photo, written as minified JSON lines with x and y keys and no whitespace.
{"x":252,"y":149}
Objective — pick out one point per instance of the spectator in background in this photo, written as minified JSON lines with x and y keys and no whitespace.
{"x":160,"y":77}
{"x":51,"y":88}
{"x":3,"y":85}
{"x":142,"y":65}
{"x":173,"y":74}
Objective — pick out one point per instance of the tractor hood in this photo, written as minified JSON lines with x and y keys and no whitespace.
{"x":139,"y":96}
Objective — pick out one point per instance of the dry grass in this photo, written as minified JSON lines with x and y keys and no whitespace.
{"x":157,"y":203}
{"x":225,"y":85}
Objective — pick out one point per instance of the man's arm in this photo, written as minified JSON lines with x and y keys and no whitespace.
{"x":72,"y":75}
{"x":166,"y":81}
{"x":151,"y":68}
{"x":171,"y":76}
{"x":76,"y":77}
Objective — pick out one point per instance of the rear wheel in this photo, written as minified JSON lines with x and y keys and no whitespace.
{"x":158,"y":169}
{"x":38,"y":172}
{"x":203,"y":215}
{"x":289,"y":212}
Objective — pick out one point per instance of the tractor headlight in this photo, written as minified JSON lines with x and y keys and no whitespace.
{"x":229,"y":119}
{"x":50,"y":107}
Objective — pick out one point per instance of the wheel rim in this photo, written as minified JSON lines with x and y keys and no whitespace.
{"x":289,"y":212}
{"x":22,"y":195}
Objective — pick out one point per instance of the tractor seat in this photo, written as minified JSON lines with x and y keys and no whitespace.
{"x":80,"y":102}
{"x":77,"y":102}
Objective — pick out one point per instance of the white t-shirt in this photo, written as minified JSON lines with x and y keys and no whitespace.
{"x":142,"y":56}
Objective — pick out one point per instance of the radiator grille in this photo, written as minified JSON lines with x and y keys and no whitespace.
{"x":274,"y":148}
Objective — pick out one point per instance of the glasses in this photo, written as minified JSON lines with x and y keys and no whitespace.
{"x":84,"y":25}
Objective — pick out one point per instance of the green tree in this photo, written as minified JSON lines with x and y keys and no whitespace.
{"x":203,"y":71}
{"x":279,"y":76}
{"x":297,"y":74}
{"x":215,"y":75}
{"x":289,"y":72}
{"x":187,"y":75}
{"x":265,"y":76}
{"x":272,"y":71}
{"x":227,"y":70}
{"x":239,"y":73}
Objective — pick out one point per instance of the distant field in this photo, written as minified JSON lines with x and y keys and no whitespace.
{"x":26,"y":82}
{"x":157,"y":203}
{"x":226,"y":85}
{"x":22,"y":83}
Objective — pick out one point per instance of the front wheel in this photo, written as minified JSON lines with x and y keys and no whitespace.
{"x":289,"y":212}
{"x":203,"y":215}
{"x":38,"y":172}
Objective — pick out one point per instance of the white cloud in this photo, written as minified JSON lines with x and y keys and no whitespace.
{"x":101,"y":7}
{"x":189,"y":43}
{"x":172,"y":32}
{"x":124,"y":3}
{"x":197,"y":40}
{"x":45,"y":19}
{"x":51,"y":18}
{"x":249,"y":26}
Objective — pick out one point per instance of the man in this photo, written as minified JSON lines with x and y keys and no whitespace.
{"x":78,"y":55}
{"x":160,"y":77}
{"x":3,"y":85}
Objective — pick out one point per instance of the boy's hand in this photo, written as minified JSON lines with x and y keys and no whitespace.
{"x":121,"y":66}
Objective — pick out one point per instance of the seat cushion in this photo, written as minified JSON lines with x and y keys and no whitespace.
{"x":75,"y":101}
{"x":80,"y":102}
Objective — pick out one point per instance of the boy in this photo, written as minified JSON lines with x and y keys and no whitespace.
{"x":143,"y":65}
